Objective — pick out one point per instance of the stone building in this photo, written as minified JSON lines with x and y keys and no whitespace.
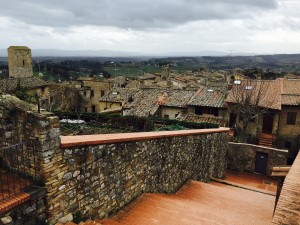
{"x":116,"y":98}
{"x":19,"y":62}
{"x":279,"y":126}
{"x":92,"y":90}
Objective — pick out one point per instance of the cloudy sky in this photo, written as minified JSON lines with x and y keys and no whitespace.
{"x":153,"y":27}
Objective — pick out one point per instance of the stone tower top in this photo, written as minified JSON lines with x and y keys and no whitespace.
{"x":19,"y":62}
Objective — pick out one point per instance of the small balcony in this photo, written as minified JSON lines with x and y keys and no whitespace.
{"x":18,"y":172}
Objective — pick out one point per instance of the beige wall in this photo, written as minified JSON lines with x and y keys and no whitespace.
{"x":171,"y":111}
{"x":289,"y":133}
{"x":108,"y":105}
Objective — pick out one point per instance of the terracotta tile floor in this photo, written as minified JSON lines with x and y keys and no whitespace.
{"x":199,"y":203}
{"x":253,"y":180}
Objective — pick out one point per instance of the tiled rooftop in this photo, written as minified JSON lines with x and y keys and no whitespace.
{"x":268,"y":92}
{"x":27,"y":82}
{"x":282,"y":91}
{"x":209,"y":96}
{"x":290,"y":92}
{"x":147,"y":101}
{"x":119,"y":95}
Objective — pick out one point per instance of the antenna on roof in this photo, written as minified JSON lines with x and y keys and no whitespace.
{"x":230,"y":67}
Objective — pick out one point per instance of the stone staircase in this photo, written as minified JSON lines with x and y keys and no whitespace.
{"x":194,"y":204}
{"x":266,"y":140}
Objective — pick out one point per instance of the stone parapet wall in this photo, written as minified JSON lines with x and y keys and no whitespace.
{"x":98,"y":175}
{"x":241,"y":157}
{"x":20,"y":122}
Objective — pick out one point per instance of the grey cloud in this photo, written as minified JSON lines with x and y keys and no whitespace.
{"x":135,"y":14}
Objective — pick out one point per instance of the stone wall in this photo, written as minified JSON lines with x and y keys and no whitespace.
{"x":289,"y":132}
{"x":98,"y":175}
{"x":19,"y":121}
{"x":241,"y":157}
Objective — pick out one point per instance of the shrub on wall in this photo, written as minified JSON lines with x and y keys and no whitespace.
{"x":134,"y":123}
{"x":190,"y":125}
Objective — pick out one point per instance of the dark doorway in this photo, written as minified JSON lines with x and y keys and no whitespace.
{"x":267,"y":124}
{"x":261,"y":162}
{"x":232,"y":119}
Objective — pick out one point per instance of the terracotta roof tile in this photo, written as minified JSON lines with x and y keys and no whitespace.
{"x":119,"y":95}
{"x":147,"y":101}
{"x":290,"y":92}
{"x":209,"y":96}
{"x":10,"y":84}
{"x":270,"y":99}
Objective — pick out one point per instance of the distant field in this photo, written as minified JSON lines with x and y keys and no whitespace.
{"x":132,"y":70}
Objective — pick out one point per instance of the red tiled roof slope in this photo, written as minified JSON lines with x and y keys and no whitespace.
{"x":290,"y":92}
{"x":209,"y":96}
{"x":271,"y":98}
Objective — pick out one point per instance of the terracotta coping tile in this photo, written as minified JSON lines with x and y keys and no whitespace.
{"x":13,"y":202}
{"x":96,"y":139}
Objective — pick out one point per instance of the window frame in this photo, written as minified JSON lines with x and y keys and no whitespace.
{"x":291,"y":118}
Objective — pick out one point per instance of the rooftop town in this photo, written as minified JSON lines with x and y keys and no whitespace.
{"x":242,"y":168}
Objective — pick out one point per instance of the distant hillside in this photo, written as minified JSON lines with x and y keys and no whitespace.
{"x":75,"y":53}
{"x":109,"y":53}
{"x":238,"y":56}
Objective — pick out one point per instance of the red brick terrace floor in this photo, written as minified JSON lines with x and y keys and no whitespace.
{"x":251,"y":181}
{"x":11,"y":193}
{"x":199,"y":203}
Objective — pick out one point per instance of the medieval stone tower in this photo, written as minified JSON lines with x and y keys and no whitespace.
{"x":19,"y":62}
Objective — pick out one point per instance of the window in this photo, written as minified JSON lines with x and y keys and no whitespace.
{"x":211,"y":111}
{"x":198,"y":111}
{"x":101,"y":93}
{"x":93,"y":108}
{"x":92,"y":93}
{"x":291,"y":118}
{"x":84,"y":93}
{"x":23,"y":62}
{"x":85,"y":109}
{"x":166,"y":116}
